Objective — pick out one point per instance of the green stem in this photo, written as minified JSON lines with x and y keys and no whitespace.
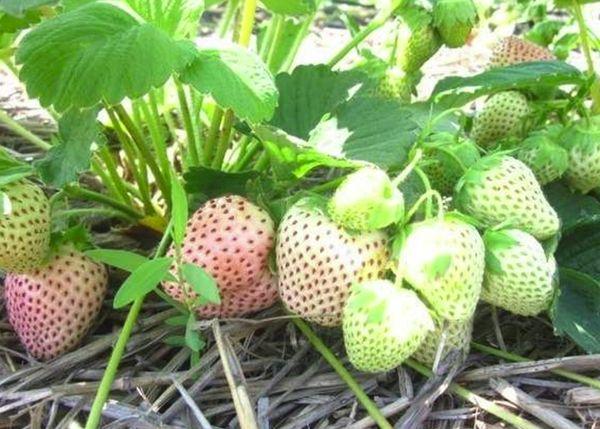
{"x":327,"y":186}
{"x":249,"y":153}
{"x":592,"y":382}
{"x":21,"y":131}
{"x":376,"y":23}
{"x":427,"y":185}
{"x":583,"y":34}
{"x":262,"y":163}
{"x":86,"y":194}
{"x":145,"y":152}
{"x":110,"y":372}
{"x":192,"y":144}
{"x":131,"y":154}
{"x":514,"y":420}
{"x":90,"y":212}
{"x":217,"y":161}
{"x":408,"y":169}
{"x":227,"y":19}
{"x":278,"y":23}
{"x":99,"y":169}
{"x":157,"y":135}
{"x":344,"y":374}
{"x":111,"y":168}
{"x":267,"y":41}
{"x":427,"y":196}
{"x":213,"y":135}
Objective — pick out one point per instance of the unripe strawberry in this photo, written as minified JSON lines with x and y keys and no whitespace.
{"x":443,"y":259}
{"x":231,"y":239}
{"x":447,"y":160}
{"x":512,"y":50}
{"x":582,"y":141}
{"x":318,"y":261}
{"x":52,"y":307}
{"x":447,"y":336}
{"x":502,"y":116}
{"x":366,"y":200}
{"x":24,"y":227}
{"x":519,"y":277}
{"x":395,"y":84}
{"x":500,"y":189}
{"x":420,"y":40}
{"x":383,"y":325}
{"x":547,"y":159}
{"x":454,"y":20}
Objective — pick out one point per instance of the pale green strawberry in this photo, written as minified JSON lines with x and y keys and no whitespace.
{"x":396,"y":85}
{"x":447,"y":336}
{"x":547,"y":159}
{"x":447,"y":160}
{"x":420,"y":40}
{"x":582,"y":141}
{"x":519,"y":277}
{"x":454,"y":20}
{"x":318,"y":262}
{"x":383,"y":325}
{"x":502,"y":116}
{"x":443,"y":259}
{"x":24,"y":226}
{"x":500,"y":189}
{"x":366,"y":200}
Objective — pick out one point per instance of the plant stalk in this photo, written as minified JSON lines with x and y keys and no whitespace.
{"x":344,"y":374}
{"x":192,"y":144}
{"x":86,"y":194}
{"x":115,"y":358}
{"x":21,"y":131}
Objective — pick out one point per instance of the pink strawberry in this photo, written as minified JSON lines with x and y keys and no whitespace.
{"x":231,"y":239}
{"x":53,"y":307}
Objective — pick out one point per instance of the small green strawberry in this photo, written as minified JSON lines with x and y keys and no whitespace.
{"x":420,"y":39}
{"x":318,"y":261}
{"x":443,"y":259}
{"x":24,"y":227}
{"x":383,"y":325}
{"x":448,"y":158}
{"x":454,"y":20}
{"x":582,"y":142}
{"x":502,"y":116}
{"x":500,"y":189}
{"x":447,"y":335}
{"x":547,"y":159}
{"x":519,"y":277}
{"x":367,"y":200}
{"x":396,"y":85}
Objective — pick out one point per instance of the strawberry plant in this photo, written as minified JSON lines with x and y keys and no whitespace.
{"x":248,"y":183}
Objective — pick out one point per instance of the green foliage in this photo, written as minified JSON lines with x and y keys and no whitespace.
{"x":77,"y":130}
{"x":123,"y":259}
{"x":576,"y":309}
{"x":142,"y":281}
{"x":456,"y":91}
{"x":11,"y":169}
{"x":179,"y":211}
{"x":579,"y":249}
{"x":307,"y":94}
{"x":236,"y":78}
{"x":97,"y":52}
{"x":574,"y":209}
{"x":192,"y":337}
{"x":213,"y":183}
{"x":368,"y":129}
{"x":177,"y":18}
{"x":291,"y":7}
{"x":202,"y":283}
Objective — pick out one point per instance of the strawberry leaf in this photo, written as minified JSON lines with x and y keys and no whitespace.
{"x":290,"y":7}
{"x":179,"y":320}
{"x":201,"y":282}
{"x":214,"y":183}
{"x":77,"y":130}
{"x":123,"y":259}
{"x":236,"y":78}
{"x":142,"y":281}
{"x":179,"y":211}
{"x":11,"y":169}
{"x":175,"y":341}
{"x":19,"y":8}
{"x":94,"y":53}
{"x":576,"y":309}
{"x":192,"y":338}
